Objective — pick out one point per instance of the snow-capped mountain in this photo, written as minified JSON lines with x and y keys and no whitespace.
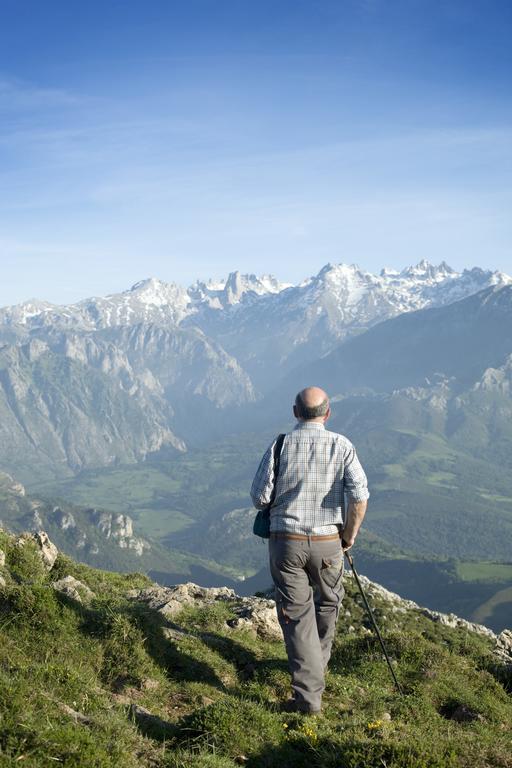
{"x":160,"y":367}
{"x":262,"y":323}
{"x":278,"y":331}
{"x":350,"y":294}
{"x":148,"y":301}
{"x":227,"y":293}
{"x":341,"y":296}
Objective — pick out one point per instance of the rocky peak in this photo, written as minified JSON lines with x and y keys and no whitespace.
{"x":425,"y":270}
{"x":497,"y":379}
{"x":234,"y":288}
{"x":119,"y":528}
{"x":20,"y":314}
{"x":156,"y":292}
{"x":388,"y":272}
{"x":11,"y":486}
{"x":226,"y":293}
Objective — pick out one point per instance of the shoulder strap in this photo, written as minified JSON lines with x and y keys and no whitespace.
{"x":277,"y":459}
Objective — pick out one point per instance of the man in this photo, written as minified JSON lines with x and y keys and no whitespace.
{"x":308,"y":532}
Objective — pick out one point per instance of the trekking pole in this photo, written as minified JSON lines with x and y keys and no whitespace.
{"x":372,"y":617}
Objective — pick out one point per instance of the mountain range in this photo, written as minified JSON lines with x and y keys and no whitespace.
{"x":114,"y":379}
{"x":158,"y":401}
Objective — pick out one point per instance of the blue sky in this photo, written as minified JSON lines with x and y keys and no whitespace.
{"x":188,"y":139}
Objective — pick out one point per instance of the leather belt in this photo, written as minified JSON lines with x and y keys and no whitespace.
{"x":305,"y":537}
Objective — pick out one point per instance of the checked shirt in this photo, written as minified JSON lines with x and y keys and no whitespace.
{"x":317,"y":469}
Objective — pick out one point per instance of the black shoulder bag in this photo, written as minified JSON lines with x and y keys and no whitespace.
{"x":261,"y":525}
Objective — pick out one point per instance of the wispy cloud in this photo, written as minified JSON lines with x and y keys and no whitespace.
{"x":17,"y":95}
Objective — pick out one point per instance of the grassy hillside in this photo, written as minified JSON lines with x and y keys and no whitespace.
{"x":71,"y":674}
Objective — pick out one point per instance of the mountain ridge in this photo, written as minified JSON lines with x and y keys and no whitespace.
{"x":125,"y":308}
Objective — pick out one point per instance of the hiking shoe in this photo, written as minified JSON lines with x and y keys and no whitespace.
{"x":300,"y":707}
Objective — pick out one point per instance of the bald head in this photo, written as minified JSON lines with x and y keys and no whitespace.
{"x":311,"y":403}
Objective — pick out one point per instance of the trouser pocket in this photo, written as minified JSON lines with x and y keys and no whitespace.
{"x":331,"y":571}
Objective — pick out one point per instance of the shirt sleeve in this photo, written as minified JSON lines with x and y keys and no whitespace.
{"x":355,"y":481}
{"x":261,"y":489}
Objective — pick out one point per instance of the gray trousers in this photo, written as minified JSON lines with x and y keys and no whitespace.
{"x":308,"y":580}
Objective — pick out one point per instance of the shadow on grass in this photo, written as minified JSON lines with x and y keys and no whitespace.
{"x":181,"y":666}
{"x":165,"y":651}
{"x":177,"y":664}
{"x":301,"y":752}
{"x":247,"y":663}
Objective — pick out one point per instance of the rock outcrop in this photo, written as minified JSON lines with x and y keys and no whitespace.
{"x":47,"y":551}
{"x":258,"y":614}
{"x":169,"y":601}
{"x":504,"y":647}
{"x":74,"y":589}
{"x":255,"y":614}
{"x":399,"y":603}
{"x":119,"y":528}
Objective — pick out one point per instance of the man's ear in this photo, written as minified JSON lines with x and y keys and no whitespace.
{"x":295,"y":412}
{"x":328,"y":414}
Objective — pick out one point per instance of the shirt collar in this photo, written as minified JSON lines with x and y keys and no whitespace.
{"x":309,"y":425}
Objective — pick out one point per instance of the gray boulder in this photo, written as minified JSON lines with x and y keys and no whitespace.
{"x":256,"y":614}
{"x":503,"y":649}
{"x":74,"y":589}
{"x":46,"y":549}
{"x":170,"y":600}
{"x":259,"y":616}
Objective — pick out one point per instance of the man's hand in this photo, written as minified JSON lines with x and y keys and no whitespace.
{"x":355,"y":516}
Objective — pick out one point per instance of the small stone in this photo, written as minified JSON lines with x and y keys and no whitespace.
{"x":78,"y":717}
{"x":386,"y":717}
{"x":2,"y":558}
{"x":74,"y":589}
{"x":351,"y":628}
{"x":148,"y":684}
{"x":151,"y":725}
{"x":174,"y":633}
{"x":2,"y":582}
{"x":464,"y":714}
{"x":206,"y":701}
